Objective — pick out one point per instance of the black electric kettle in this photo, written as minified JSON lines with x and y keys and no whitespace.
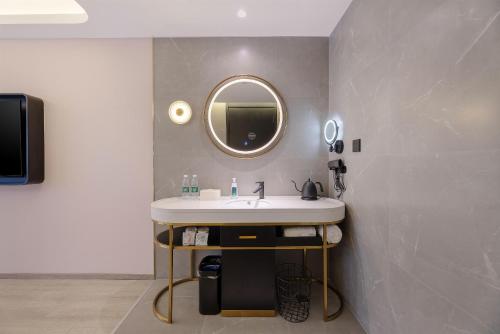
{"x":309,"y":191}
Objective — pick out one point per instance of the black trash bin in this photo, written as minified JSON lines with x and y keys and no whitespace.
{"x":209,"y":287}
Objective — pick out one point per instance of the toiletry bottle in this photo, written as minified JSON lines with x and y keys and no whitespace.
{"x":185,"y":186}
{"x":195,"y":190}
{"x":234,"y":189}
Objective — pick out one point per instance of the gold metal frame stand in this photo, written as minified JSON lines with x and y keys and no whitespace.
{"x":169,"y":288}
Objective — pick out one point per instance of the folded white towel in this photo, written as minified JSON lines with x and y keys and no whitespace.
{"x":333,"y":234}
{"x":299,"y":231}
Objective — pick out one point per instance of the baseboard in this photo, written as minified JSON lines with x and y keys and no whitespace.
{"x":78,"y":276}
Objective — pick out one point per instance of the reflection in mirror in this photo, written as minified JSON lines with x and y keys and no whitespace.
{"x":245,"y":117}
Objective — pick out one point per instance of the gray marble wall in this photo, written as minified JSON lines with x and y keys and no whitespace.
{"x":419,"y":83}
{"x":188,"y":68}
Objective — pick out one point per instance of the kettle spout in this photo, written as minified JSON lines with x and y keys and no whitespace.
{"x":295,"y":184}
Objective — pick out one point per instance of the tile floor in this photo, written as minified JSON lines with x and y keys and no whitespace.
{"x":100,"y":306}
{"x":65,"y":306}
{"x":187,"y":320}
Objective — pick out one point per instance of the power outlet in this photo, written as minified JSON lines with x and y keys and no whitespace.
{"x":356,"y":145}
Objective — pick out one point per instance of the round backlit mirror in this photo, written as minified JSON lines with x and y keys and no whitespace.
{"x":245,"y":116}
{"x":330,"y":132}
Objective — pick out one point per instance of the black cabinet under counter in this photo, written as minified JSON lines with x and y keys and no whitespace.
{"x":248,"y":276}
{"x":264,"y":236}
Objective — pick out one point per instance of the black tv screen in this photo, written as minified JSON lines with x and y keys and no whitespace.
{"x":11,"y":138}
{"x":21,"y":139}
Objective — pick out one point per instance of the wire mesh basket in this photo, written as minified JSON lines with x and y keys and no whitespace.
{"x":293,"y":285}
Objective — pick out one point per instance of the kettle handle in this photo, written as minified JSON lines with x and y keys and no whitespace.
{"x":295,"y":184}
{"x":320,"y":186}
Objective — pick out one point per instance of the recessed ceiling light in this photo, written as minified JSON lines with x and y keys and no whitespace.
{"x":242,"y":14}
{"x":41,"y":12}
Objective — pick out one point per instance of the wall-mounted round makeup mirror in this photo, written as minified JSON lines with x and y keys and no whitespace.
{"x":245,"y":116}
{"x":330,"y":132}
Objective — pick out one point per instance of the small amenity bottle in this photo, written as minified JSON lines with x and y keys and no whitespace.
{"x":234,"y":189}
{"x":195,"y":190}
{"x":185,"y":186}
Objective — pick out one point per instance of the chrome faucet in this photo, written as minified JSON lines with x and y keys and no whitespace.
{"x":260,"y":189}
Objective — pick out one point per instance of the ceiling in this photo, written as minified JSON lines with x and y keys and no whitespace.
{"x":193,"y":18}
{"x":40,"y":12}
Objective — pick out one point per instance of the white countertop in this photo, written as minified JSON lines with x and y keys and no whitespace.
{"x":248,"y":209}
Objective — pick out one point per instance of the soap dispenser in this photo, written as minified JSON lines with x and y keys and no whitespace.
{"x":234,"y":189}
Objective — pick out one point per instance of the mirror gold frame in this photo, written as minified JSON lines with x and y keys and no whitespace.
{"x":281,"y":110}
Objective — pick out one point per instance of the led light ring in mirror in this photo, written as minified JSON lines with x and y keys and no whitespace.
{"x":281,"y":109}
{"x":179,"y":112}
{"x":331,"y":127}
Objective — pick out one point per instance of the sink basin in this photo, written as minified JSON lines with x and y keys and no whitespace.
{"x":248,"y":203}
{"x":248,"y":209}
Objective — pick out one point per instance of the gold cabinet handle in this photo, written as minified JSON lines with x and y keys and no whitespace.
{"x":247,"y":237}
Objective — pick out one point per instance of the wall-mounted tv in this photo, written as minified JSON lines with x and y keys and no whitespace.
{"x":21,"y":139}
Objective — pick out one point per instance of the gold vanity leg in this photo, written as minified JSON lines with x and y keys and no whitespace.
{"x":170,"y":271}
{"x":325,"y":274}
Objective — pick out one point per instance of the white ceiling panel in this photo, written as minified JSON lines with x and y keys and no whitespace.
{"x":192,"y":18}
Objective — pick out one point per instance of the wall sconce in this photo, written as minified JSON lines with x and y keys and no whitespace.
{"x":331,"y":132}
{"x":179,"y":112}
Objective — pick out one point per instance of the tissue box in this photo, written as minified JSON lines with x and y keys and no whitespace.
{"x":189,"y":236}
{"x":201,"y":238}
{"x":210,"y":194}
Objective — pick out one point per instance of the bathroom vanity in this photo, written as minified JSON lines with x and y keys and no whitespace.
{"x":246,"y":230}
